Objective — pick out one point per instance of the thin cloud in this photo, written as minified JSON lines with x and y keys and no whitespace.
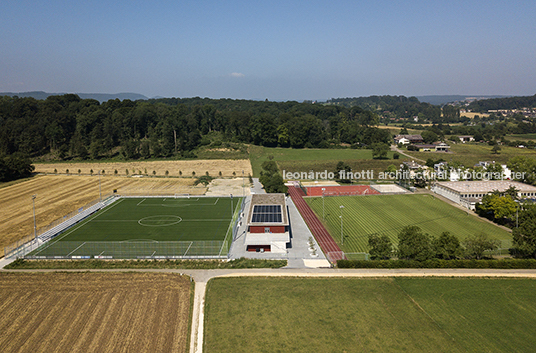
{"x":237,"y":74}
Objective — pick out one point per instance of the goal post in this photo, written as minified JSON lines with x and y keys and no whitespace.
{"x":177,"y":196}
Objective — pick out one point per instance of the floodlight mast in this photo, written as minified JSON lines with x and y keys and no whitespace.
{"x":35,"y":223}
{"x":342,"y":238}
{"x":323,"y":212}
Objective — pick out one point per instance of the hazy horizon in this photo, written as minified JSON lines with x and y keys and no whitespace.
{"x":297,"y":50}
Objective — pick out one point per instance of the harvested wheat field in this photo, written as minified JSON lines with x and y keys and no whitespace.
{"x":94,"y":312}
{"x":174,"y":168}
{"x":60,"y":195}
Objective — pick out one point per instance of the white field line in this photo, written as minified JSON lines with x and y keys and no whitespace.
{"x":139,"y":203}
{"x":116,"y":220}
{"x":85,"y":222}
{"x":218,"y":199}
{"x":78,"y":247}
{"x":186,"y":252}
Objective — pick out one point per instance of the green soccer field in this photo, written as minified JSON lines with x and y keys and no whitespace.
{"x":388,"y":214}
{"x":142,"y":227}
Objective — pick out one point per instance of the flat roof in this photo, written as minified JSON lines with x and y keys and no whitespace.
{"x":272,"y":200}
{"x":483,"y":186}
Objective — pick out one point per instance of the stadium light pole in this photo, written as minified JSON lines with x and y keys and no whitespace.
{"x":100,"y":193}
{"x":323,"y":212}
{"x":231,"y":207}
{"x":342,"y":238}
{"x":35,"y":223}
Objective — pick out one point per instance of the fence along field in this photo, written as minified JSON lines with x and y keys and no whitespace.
{"x":171,"y":227}
{"x":59,"y":195}
{"x":90,"y":312}
{"x":388,"y":214}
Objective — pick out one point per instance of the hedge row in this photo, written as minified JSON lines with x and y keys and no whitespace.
{"x":436,"y":263}
{"x":143,"y":264}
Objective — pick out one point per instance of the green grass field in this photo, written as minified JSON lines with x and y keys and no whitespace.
{"x":300,"y":160}
{"x":522,"y":137}
{"x":145,"y":226}
{"x":469,"y":154}
{"x":370,"y":315}
{"x":388,"y":214}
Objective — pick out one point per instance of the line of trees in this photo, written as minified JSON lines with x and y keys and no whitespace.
{"x":414,"y":244}
{"x":70,"y":127}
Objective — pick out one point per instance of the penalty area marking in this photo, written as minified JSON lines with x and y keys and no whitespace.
{"x":159,"y":221}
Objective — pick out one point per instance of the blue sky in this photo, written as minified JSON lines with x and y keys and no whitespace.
{"x":279,"y":50}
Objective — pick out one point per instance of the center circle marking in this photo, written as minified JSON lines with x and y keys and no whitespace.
{"x":159,"y":221}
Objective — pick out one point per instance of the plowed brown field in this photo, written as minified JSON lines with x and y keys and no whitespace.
{"x":94,"y":312}
{"x":174,"y":168}
{"x":60,"y":195}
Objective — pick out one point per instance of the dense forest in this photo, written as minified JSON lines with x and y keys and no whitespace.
{"x":508,"y":103}
{"x":71,"y":127}
{"x":400,"y":107}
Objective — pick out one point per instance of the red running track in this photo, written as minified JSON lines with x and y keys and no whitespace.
{"x":326,"y":242}
{"x":341,"y":190}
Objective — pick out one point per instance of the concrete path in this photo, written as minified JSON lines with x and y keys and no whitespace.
{"x":198,"y":318}
{"x":257,"y":187}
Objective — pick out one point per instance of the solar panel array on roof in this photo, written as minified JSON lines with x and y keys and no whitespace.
{"x":267,"y":214}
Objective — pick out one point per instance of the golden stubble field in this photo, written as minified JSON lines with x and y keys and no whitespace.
{"x":60,"y":195}
{"x":174,"y":168}
{"x":94,"y":312}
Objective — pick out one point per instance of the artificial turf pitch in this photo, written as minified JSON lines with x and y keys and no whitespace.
{"x":151,"y":227}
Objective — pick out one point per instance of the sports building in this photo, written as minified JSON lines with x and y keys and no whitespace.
{"x":268,"y":224}
{"x":469,"y":193}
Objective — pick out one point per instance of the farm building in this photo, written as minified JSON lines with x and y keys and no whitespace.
{"x":435,"y":147}
{"x":469,"y":193}
{"x":268,"y":226}
{"x":407,"y":139}
{"x":466,"y":138}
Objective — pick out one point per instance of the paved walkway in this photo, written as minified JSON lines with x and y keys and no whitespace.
{"x":257,"y":187}
{"x":322,"y":236}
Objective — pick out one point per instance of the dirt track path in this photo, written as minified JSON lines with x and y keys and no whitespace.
{"x":396,"y":149}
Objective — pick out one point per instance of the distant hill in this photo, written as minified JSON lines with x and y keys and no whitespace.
{"x":101,"y":97}
{"x":444,"y":99}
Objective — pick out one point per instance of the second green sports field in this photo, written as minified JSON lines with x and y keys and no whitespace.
{"x":180,"y":226}
{"x":388,"y":214}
